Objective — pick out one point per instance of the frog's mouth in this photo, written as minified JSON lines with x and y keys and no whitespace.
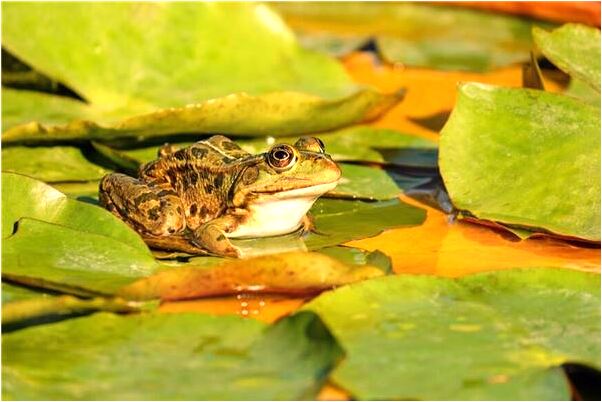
{"x":304,"y":192}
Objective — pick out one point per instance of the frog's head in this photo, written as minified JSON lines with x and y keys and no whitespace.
{"x":302,"y":170}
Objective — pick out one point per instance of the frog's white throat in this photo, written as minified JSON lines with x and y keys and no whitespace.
{"x":279,"y":213}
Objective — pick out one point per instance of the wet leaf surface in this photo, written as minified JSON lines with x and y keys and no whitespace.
{"x":575,"y":49}
{"x":419,"y":35}
{"x":289,"y":273}
{"x":66,"y":360}
{"x":540,"y":149}
{"x":51,"y":164}
{"x":498,"y":335}
{"x":339,"y":221}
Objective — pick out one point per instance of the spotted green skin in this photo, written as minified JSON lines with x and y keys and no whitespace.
{"x":190,"y":199}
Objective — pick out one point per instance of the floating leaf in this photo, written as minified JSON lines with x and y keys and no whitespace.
{"x":203,"y":86}
{"x":525,"y":158}
{"x":290,"y":273}
{"x":340,"y":221}
{"x":420,"y":35}
{"x":25,"y":197}
{"x":163,"y":356}
{"x":12,"y":293}
{"x":366,"y":183}
{"x":80,"y":262}
{"x":41,"y":310}
{"x":497,"y":336}
{"x":357,"y":256}
{"x":581,"y":90}
{"x":575,"y":49}
{"x":20,"y":107}
{"x":51,"y":164}
{"x":85,"y":191}
{"x":277,"y":113}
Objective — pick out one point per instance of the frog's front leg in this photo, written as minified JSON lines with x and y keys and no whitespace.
{"x":212,"y":236}
{"x":147,"y":208}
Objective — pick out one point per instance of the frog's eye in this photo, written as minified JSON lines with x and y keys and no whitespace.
{"x":282,"y":157}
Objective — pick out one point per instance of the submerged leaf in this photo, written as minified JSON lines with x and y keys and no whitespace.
{"x":290,"y":273}
{"x":356,"y":256}
{"x":169,"y":357}
{"x":340,"y":221}
{"x":575,"y":49}
{"x":421,"y":35}
{"x":496,"y":336}
{"x":525,"y":158}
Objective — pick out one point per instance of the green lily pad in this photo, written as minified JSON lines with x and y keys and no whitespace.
{"x":432,"y":36}
{"x":357,"y":256}
{"x":26,"y":197}
{"x":495,"y":336}
{"x":168,"y":357}
{"x":51,"y":164}
{"x":12,"y":293}
{"x":340,"y":221}
{"x":276,"y":113}
{"x":80,"y":262}
{"x":575,"y":49}
{"x":290,"y":273}
{"x":86,"y":191}
{"x":232,"y":68}
{"x":366,"y":183}
{"x":21,"y":106}
{"x":583,"y":91}
{"x":40,"y":310}
{"x":66,"y":244}
{"x":524,"y":158}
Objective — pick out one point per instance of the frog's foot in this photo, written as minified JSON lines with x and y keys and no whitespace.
{"x":173,"y":243}
{"x":212,"y":237}
{"x":148,"y":209}
{"x":308,"y":226}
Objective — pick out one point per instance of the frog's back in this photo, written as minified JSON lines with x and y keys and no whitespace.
{"x":201,"y":174}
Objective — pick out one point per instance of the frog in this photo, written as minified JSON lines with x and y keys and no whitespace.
{"x":198,"y":198}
